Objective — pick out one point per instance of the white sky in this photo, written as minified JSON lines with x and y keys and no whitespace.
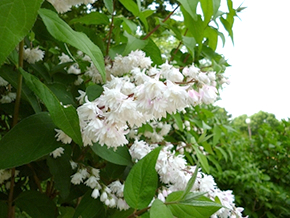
{"x":260,"y":74}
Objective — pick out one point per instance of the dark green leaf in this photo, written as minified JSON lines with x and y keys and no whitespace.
{"x":3,"y":209}
{"x":29,"y":140}
{"x":66,"y":212}
{"x":94,"y":92}
{"x":141,"y":183}
{"x":190,"y":183}
{"x":65,"y":118}
{"x":152,"y":50}
{"x":158,"y":209}
{"x":36,"y":204}
{"x":202,"y":159}
{"x":63,"y":32}
{"x":60,"y":168}
{"x":17,"y":18}
{"x":121,"y":156}
{"x":95,"y":18}
{"x":62,"y":93}
{"x":109,"y":5}
{"x":217,"y":134}
{"x":89,"y":207}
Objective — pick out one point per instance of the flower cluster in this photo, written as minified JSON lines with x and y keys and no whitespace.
{"x":7,"y":96}
{"x":174,"y":173}
{"x":63,"y":6}
{"x":149,"y":93}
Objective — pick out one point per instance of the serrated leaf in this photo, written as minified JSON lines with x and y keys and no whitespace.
{"x":65,"y":118}
{"x":141,"y":183}
{"x":11,"y":76}
{"x":36,"y":204}
{"x":133,"y":44}
{"x":60,"y":168}
{"x":63,"y":32}
{"x":159,"y":209}
{"x":89,"y":207}
{"x":120,"y":156}
{"x":29,"y":140}
{"x":17,"y":18}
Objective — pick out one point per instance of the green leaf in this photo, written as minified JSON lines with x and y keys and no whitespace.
{"x":207,"y":9}
{"x":228,"y":27}
{"x":190,"y":183}
{"x":3,"y":209}
{"x":11,"y":76}
{"x":65,"y":118}
{"x":178,"y":121}
{"x":29,"y":140}
{"x":133,"y":44}
{"x":159,"y":209}
{"x":17,"y":18}
{"x":95,"y":18}
{"x":129,"y":26}
{"x":217,"y":134}
{"x":212,"y":35}
{"x":202,"y":159}
{"x":141,"y":183}
{"x":94,"y":92}
{"x":152,"y":50}
{"x":109,"y":5}
{"x":131,"y":6}
{"x":62,"y":93}
{"x":216,"y":5}
{"x":89,"y":207}
{"x":120,"y":156}
{"x":190,"y":43}
{"x":66,"y":212}
{"x":190,"y":7}
{"x":222,"y":151}
{"x":199,"y":207}
{"x":61,"y":170}
{"x":63,"y":32}
{"x":36,"y":204}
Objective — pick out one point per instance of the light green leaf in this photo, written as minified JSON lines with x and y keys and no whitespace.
{"x":29,"y":140}
{"x":202,"y":159}
{"x":61,"y":170}
{"x":216,"y":5}
{"x":36,"y":204}
{"x":63,"y":32}
{"x":222,"y":151}
{"x":11,"y":76}
{"x":89,"y":207}
{"x":129,"y":26}
{"x":228,"y":27}
{"x":141,"y":183}
{"x":16,"y":19}
{"x":212,"y":35}
{"x":109,"y":5}
{"x":159,"y":209}
{"x":65,"y":118}
{"x":207,"y":9}
{"x":131,"y":6}
{"x":92,"y":18}
{"x":217,"y":134}
{"x":120,"y":156}
{"x":190,"y":43}
{"x":190,"y":7}
{"x":133,"y":44}
{"x":178,"y":121}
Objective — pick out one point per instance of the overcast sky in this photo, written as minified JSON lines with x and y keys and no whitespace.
{"x":260,"y":59}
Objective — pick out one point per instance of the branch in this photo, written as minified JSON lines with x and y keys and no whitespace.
{"x":163,"y":21}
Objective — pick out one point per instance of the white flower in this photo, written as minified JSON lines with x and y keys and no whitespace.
{"x":74,"y":69}
{"x":11,"y":96}
{"x":64,"y":58}
{"x":208,"y":94}
{"x":211,"y":76}
{"x":61,"y":136}
{"x":122,"y":205}
{"x":77,"y":178}
{"x":33,"y":55}
{"x":92,"y":182}
{"x":81,"y":97}
{"x":139,"y":149}
{"x":57,"y":152}
{"x":3,"y":82}
{"x":95,"y":193}
{"x":202,"y":77}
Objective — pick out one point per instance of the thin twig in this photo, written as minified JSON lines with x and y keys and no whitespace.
{"x":163,"y":21}
{"x":111,"y":30}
